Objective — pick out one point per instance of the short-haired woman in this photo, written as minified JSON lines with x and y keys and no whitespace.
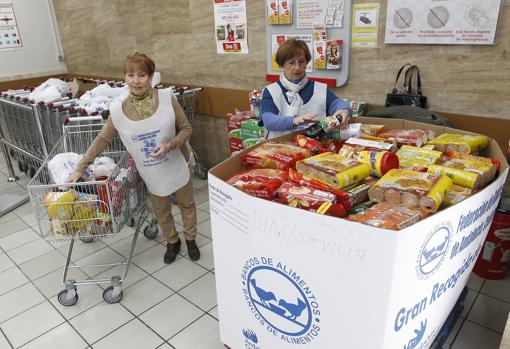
{"x":165,"y":170}
{"x":294,"y":101}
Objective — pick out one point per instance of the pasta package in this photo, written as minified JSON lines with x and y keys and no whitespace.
{"x":372,"y":130}
{"x":456,"y":194}
{"x":466,"y":144}
{"x":411,"y":189}
{"x":278,"y":156}
{"x":380,"y":162}
{"x":459,"y":155}
{"x":262,"y":183}
{"x":371,"y":144}
{"x":414,"y":137}
{"x":417,"y":159}
{"x":468,"y":173}
{"x":310,"y":199}
{"x":315,"y":147}
{"x":389,"y":216}
{"x":60,"y":204}
{"x":333,"y":170}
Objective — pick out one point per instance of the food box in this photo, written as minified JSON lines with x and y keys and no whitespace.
{"x":287,"y":277}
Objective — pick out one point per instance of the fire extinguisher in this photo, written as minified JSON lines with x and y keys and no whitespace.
{"x":495,"y":255}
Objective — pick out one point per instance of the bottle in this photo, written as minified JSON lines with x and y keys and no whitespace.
{"x":321,"y":128}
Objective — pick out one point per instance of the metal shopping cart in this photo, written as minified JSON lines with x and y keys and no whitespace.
{"x":95,"y":209}
{"x":188,"y":99}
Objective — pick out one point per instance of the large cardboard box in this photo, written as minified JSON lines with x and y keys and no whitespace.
{"x":291,"y":278}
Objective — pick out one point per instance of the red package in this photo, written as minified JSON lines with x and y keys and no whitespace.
{"x":262,"y":183}
{"x":315,"y":147}
{"x":410,"y":137}
{"x":310,"y":199}
{"x":278,"y":156}
{"x":389,"y":216}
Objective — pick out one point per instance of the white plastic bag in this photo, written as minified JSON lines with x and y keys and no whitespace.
{"x":63,"y":165}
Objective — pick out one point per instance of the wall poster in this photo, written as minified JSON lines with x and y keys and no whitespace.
{"x":231,"y":26}
{"x":459,"y":22}
{"x":9,"y":31}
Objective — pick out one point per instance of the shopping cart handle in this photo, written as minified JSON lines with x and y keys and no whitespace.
{"x":82,"y":118}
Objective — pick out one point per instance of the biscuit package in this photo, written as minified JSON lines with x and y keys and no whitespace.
{"x":278,"y":156}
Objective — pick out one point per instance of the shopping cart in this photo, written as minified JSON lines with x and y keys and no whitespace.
{"x":89,"y":210}
{"x":21,"y":131}
{"x":188,"y":99}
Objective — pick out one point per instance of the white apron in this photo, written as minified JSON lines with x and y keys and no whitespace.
{"x":161,"y":176}
{"x":316,"y":105}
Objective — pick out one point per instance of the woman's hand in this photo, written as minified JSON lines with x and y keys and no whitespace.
{"x":345,"y":115}
{"x":161,"y":150}
{"x":304,"y":119}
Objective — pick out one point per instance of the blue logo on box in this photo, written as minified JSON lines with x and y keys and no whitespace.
{"x":281,"y":300}
{"x":413,"y":342}
{"x":434,"y":250}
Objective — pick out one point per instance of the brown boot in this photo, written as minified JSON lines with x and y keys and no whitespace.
{"x":193,"y":251}
{"x":171,"y":252}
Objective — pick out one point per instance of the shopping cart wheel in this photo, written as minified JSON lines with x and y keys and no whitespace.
{"x":151,"y":231}
{"x":68,"y":297}
{"x":131,"y":222}
{"x":201,"y":172}
{"x":84,"y":237}
{"x":173,"y":198}
{"x":112,"y":294}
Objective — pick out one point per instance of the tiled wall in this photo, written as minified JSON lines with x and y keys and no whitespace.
{"x":179,"y":35}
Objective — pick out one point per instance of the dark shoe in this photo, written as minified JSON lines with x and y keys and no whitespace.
{"x":171,"y":252}
{"x":193,"y":251}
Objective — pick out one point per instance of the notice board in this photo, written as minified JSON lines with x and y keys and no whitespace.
{"x":287,"y":19}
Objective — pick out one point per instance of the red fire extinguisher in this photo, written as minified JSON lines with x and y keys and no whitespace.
{"x":495,"y":255}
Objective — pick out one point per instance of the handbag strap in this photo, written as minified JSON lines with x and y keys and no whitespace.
{"x":410,"y":73}
{"x":395,"y":90}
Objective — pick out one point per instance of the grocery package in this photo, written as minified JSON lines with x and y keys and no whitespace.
{"x":466,"y":144}
{"x":456,"y":194}
{"x":469,"y":173}
{"x":371,"y":144}
{"x":251,"y":132}
{"x":418,"y":159}
{"x":315,"y":147}
{"x":310,"y":199}
{"x":278,"y":156}
{"x":285,"y":11}
{"x":410,"y":137}
{"x":254,"y":98}
{"x":334,"y":54}
{"x":348,"y":197}
{"x":411,"y":189}
{"x":371,"y":129}
{"x":380,"y":162}
{"x":234,"y":121}
{"x":361,"y":207}
{"x":389,"y":216}
{"x":458,"y":155}
{"x":333,"y":169}
{"x":352,"y":131}
{"x":262,"y":183}
{"x":59,"y":204}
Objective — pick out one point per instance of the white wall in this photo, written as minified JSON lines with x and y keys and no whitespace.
{"x":41,"y":42}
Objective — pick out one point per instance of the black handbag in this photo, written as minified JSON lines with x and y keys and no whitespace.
{"x":406,"y":94}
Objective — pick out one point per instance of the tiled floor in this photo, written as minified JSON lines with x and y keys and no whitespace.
{"x":164,"y":306}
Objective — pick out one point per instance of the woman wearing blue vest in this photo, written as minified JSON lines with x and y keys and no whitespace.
{"x":294,"y":101}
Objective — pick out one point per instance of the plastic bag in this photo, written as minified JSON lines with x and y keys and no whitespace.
{"x":63,"y":165}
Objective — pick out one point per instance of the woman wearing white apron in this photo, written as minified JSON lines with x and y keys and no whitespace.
{"x":154,"y":130}
{"x":293,"y":102}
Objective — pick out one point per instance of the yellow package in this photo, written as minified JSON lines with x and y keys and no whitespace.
{"x":467,"y":173}
{"x":380,"y":162}
{"x":372,"y":130}
{"x":272,"y":12}
{"x":414,"y":157}
{"x":456,"y":194}
{"x":466,"y":144}
{"x":60,"y":205}
{"x":333,"y":170}
{"x":411,"y":189}
{"x":285,"y":11}
{"x":319,"y":54}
